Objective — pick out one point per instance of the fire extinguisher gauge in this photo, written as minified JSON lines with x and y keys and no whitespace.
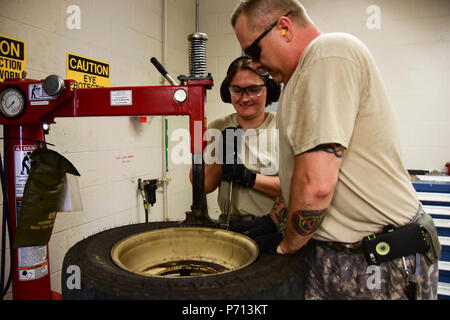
{"x":12,"y":102}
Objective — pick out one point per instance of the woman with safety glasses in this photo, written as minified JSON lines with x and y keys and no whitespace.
{"x":255,"y":174}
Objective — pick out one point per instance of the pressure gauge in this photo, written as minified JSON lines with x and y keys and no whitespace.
{"x":12,"y":102}
{"x":180,"y":95}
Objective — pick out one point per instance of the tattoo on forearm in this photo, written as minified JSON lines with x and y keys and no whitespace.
{"x":279,"y":212}
{"x":307,"y":221}
{"x":337,"y":150}
{"x":282,"y":217}
{"x":278,"y":205}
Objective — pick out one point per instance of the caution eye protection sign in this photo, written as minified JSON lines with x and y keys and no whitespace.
{"x":12,"y":58}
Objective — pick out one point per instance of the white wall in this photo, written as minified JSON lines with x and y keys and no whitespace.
{"x":412,"y":49}
{"x":222,"y":48}
{"x":125,"y":34}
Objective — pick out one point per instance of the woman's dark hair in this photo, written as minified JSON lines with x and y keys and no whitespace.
{"x":245,"y":63}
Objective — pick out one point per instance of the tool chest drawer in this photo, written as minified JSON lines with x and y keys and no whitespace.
{"x":434,"y":194}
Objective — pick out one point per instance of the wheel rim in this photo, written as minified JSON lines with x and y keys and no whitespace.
{"x":184,"y":252}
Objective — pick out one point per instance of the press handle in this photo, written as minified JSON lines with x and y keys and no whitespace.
{"x":163,"y":71}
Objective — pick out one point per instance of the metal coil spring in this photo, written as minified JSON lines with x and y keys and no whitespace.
{"x":197,"y":55}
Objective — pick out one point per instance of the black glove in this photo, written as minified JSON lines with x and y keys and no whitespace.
{"x":238,"y":173}
{"x":232,"y":167}
{"x":269,"y":242}
{"x":262,"y":230}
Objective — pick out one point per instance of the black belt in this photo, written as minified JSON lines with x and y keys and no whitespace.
{"x":354,"y":250}
{"x":400,"y":234}
{"x":390,"y":244}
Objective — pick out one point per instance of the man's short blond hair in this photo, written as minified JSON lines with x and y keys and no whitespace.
{"x":261,"y":13}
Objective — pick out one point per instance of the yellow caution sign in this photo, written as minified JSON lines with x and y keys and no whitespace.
{"x":88,"y":73}
{"x":12,"y":58}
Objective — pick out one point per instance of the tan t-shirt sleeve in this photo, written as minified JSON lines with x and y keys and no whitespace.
{"x":329,"y":93}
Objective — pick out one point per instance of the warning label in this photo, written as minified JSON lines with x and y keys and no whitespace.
{"x":87,"y":73}
{"x":12,"y":58}
{"x":22,"y":164}
{"x":33,"y":263}
{"x":37,"y":92}
{"x":121,"y":98}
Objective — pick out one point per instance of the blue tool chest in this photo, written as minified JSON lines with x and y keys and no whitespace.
{"x":434,"y":194}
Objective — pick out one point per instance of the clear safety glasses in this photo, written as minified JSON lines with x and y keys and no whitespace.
{"x":252,"y":91}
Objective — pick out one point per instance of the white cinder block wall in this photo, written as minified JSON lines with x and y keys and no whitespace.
{"x":411,"y":45}
{"x":110,"y":153}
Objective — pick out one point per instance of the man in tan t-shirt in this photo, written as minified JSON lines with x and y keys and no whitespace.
{"x":341,"y":172}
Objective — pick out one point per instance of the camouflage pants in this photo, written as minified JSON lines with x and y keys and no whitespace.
{"x":342,"y":275}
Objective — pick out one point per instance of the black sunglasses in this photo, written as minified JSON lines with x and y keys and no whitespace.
{"x":254,"y":50}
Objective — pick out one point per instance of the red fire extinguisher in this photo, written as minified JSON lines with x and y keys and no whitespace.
{"x":30,"y":265}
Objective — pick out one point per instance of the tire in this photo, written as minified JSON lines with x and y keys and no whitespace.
{"x":269,"y":277}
